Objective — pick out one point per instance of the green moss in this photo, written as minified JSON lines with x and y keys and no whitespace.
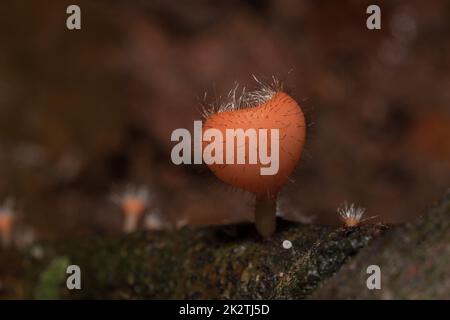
{"x":216,"y":262}
{"x":51,"y":279}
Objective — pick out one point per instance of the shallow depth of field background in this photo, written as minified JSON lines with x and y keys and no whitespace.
{"x":84,"y":113}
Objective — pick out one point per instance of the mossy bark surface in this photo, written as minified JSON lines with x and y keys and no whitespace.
{"x":224,"y":262}
{"x":414,"y":260}
{"x":234,"y":262}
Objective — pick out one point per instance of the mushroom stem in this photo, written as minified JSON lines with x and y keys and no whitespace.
{"x":131,"y":223}
{"x":265,"y":216}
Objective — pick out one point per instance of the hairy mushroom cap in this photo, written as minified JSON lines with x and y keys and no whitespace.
{"x":278,"y":111}
{"x":5,"y":222}
{"x":6,"y":215}
{"x":133,"y":206}
{"x":133,"y":201}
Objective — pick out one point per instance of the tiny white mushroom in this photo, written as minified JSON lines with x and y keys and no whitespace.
{"x":154,"y":221}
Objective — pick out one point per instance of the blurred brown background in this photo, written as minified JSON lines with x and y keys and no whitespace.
{"x":83,"y":113}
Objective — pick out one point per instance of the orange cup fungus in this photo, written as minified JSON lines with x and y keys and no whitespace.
{"x":133,"y":202}
{"x":6,"y":223}
{"x":274,"y":109}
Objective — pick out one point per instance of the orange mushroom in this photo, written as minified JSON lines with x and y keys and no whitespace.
{"x":274,"y":109}
{"x":6,"y":222}
{"x":133,"y":202}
